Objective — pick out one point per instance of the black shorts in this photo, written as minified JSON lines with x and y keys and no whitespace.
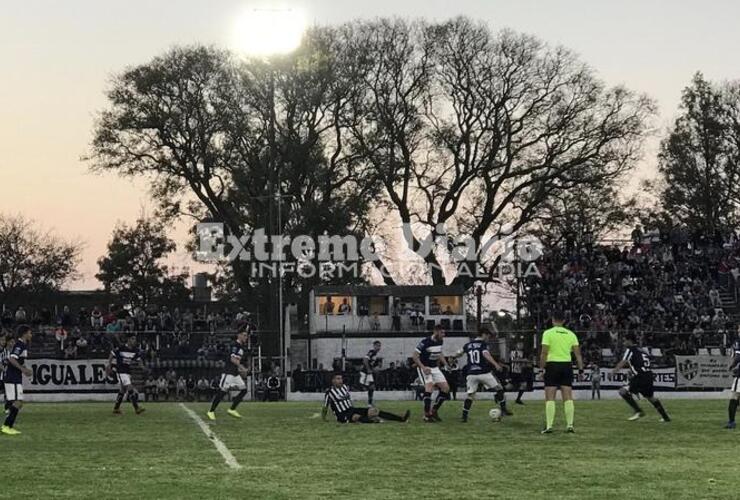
{"x":346,"y":417}
{"x":558,"y":374}
{"x":642,"y":384}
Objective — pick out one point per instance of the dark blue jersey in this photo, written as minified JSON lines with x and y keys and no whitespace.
{"x":638,"y":360}
{"x":477,"y":363}
{"x":236,"y":353}
{"x":125,"y":357}
{"x":19,"y":352}
{"x":430,"y":351}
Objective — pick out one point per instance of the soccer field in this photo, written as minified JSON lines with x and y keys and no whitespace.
{"x":284,"y":451}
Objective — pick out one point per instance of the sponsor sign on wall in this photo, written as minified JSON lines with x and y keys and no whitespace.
{"x":703,"y":372}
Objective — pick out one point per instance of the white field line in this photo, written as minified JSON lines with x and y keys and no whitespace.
{"x":220,"y":446}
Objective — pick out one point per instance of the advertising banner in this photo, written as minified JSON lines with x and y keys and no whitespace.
{"x":708,"y":372}
{"x":665,"y":378}
{"x":69,"y":376}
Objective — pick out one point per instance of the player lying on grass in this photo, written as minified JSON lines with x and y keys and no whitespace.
{"x":735,"y":389}
{"x":479,"y":372}
{"x":641,"y":381}
{"x":124,"y":358}
{"x":338,"y":398}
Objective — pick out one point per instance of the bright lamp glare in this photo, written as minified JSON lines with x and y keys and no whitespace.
{"x":262,"y":32}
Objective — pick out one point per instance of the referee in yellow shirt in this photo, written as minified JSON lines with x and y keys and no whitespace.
{"x":558,"y":343}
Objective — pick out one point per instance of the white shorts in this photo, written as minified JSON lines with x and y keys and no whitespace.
{"x":435,"y":377}
{"x":366,"y":378}
{"x":487,"y":380}
{"x":231,"y":382}
{"x":734,"y":388}
{"x":13,"y":392}
{"x":124,"y":379}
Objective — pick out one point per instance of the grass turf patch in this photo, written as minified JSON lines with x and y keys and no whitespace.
{"x":83,"y":451}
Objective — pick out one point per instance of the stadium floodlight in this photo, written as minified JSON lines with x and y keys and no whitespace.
{"x":268,"y":31}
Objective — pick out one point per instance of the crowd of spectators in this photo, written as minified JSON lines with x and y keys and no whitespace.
{"x":164,"y":333}
{"x":666,"y":286}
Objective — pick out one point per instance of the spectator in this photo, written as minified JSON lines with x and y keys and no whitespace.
{"x":396,"y":315}
{"x":181,"y":389}
{"x":162,"y":388}
{"x":20,"y":315}
{"x":203,"y":389}
{"x":96,"y":319}
{"x":190,"y":386}
{"x":344,"y":307}
{"x":150,"y":389}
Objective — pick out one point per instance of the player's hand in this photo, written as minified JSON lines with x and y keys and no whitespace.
{"x":426,"y":370}
{"x":27,"y":372}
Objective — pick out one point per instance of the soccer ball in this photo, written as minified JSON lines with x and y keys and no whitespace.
{"x":495,"y":414}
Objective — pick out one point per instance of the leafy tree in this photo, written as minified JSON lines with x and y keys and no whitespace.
{"x":135,"y":268}
{"x":700,"y":158}
{"x":33,"y":261}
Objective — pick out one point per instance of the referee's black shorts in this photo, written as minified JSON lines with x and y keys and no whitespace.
{"x":642,"y":383}
{"x":558,"y":374}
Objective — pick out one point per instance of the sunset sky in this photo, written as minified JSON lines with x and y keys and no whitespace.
{"x":57,"y":57}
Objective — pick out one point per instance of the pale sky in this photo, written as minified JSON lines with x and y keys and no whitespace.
{"x":57,"y":57}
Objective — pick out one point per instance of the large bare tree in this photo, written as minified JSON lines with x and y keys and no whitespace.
{"x":468,"y":129}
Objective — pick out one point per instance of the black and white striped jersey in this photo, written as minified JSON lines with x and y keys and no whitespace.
{"x":4,"y":354}
{"x":736,"y":358}
{"x":372,"y":359}
{"x":638,"y":360}
{"x":338,"y":399}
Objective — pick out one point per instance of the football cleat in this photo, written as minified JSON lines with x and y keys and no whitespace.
{"x":117,"y":411}
{"x":9,"y":431}
{"x":664,"y":420}
{"x":547,"y":431}
{"x":140,"y":410}
{"x":233,"y":413}
{"x":636,"y":416}
{"x":519,"y":402}
{"x":406,"y":416}
{"x":570,"y":430}
{"x":730,"y":425}
{"x":507,"y":412}
{"x":211,"y":415}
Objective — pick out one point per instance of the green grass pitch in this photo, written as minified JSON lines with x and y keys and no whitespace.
{"x":81,"y":451}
